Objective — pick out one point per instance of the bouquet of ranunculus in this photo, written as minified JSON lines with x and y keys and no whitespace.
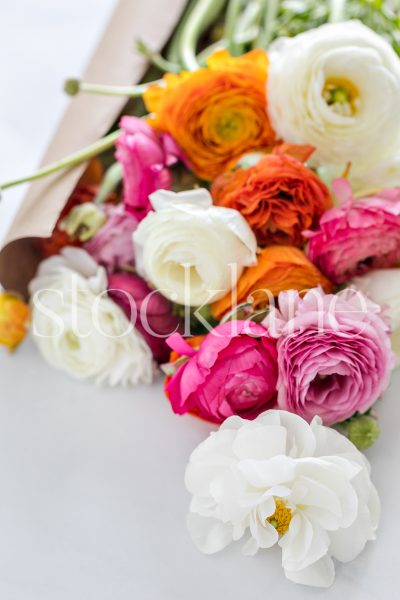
{"x":244,"y":241}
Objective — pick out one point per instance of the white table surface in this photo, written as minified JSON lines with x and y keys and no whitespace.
{"x":92,"y":500}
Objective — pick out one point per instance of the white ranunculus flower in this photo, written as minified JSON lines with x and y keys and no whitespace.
{"x":383,"y":287}
{"x":337,"y":87}
{"x":78,"y":329}
{"x":279,"y":480}
{"x":190,"y":250}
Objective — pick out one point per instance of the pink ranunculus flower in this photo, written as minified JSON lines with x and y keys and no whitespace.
{"x":145,"y":156}
{"x":358,"y":236}
{"x":150,"y":312}
{"x":233,"y":372}
{"x":334,"y":353}
{"x":112,"y":246}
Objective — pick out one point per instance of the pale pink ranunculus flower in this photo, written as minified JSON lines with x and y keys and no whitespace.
{"x":145,"y":156}
{"x":112,"y":246}
{"x":358,"y":236}
{"x":334,"y":353}
{"x":233,"y":372}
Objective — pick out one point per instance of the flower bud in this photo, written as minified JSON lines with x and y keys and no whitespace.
{"x":84,"y":221}
{"x":363,"y":431}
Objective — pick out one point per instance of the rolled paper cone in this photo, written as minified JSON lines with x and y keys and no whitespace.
{"x":86,"y":120}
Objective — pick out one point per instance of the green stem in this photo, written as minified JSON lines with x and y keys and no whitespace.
{"x":156,"y":59}
{"x":173,"y":53}
{"x":232,"y":315}
{"x":69,"y":161}
{"x":112,"y":178}
{"x":232,"y":13}
{"x":74,"y":86}
{"x":204,"y":54}
{"x":337,"y":11}
{"x":203,"y":15}
{"x":263,"y":7}
{"x":266,"y":33}
{"x":248,"y":25}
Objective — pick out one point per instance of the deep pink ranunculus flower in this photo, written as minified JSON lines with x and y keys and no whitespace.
{"x":358,"y":236}
{"x":233,"y":372}
{"x":112,"y":246}
{"x":150,"y":312}
{"x":145,"y":156}
{"x":334,"y":353}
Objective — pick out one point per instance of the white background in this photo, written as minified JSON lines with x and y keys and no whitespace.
{"x":92,"y":501}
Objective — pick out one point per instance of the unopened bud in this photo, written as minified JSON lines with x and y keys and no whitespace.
{"x":363,"y":431}
{"x":84,"y":221}
{"x":71,"y":87}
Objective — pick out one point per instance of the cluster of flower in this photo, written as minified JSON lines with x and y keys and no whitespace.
{"x":235,"y":256}
{"x":282,"y":261}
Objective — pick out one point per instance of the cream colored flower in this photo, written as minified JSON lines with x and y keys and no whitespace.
{"x":81,"y":331}
{"x":337,"y":87}
{"x":278,"y":480}
{"x":190,"y":250}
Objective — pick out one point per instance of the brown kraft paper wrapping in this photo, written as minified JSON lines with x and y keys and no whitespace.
{"x":87,"y":119}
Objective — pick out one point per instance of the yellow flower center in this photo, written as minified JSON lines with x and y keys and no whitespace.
{"x":341,"y":96}
{"x":281,"y":517}
{"x":229,"y":125}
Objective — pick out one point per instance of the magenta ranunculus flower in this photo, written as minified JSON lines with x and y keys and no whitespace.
{"x":145,"y":156}
{"x":112,"y":246}
{"x":147,"y":309}
{"x":334,"y":353}
{"x":233,"y":372}
{"x":358,"y":236}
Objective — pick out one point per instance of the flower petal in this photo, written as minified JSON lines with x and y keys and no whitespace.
{"x":319,"y":574}
{"x":209,"y":535}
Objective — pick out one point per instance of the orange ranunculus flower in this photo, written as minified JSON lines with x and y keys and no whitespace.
{"x":279,"y":197}
{"x":14,"y":318}
{"x":278,"y":268}
{"x":215,"y":114}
